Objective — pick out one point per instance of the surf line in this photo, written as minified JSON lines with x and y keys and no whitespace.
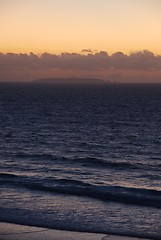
{"x":15,"y":233}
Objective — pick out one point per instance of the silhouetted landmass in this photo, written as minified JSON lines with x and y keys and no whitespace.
{"x":69,"y":81}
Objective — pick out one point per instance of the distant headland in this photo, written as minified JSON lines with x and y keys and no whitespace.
{"x":69,"y":81}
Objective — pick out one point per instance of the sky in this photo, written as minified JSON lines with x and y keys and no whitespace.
{"x":83,"y":28}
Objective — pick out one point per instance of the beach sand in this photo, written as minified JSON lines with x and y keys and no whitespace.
{"x":19,"y":232}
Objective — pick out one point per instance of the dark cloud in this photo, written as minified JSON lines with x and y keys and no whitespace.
{"x":144,"y":60}
{"x":100,"y":61}
{"x":87,"y":51}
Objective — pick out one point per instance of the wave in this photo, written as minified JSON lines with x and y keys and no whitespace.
{"x":86,"y":161}
{"x":8,"y":175}
{"x":95,"y":162}
{"x":119,"y":194}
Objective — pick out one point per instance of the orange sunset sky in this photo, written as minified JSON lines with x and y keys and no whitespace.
{"x":118,"y":40}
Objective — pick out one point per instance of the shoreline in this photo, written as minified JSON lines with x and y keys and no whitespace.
{"x":10,"y":231}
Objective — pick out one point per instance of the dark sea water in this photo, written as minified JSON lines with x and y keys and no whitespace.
{"x":84,"y":158}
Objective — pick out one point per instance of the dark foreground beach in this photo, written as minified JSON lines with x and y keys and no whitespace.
{"x":18,"y":232}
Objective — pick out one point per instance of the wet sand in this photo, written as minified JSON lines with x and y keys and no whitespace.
{"x":19,"y":232}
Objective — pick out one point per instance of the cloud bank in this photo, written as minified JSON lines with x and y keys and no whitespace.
{"x":141,"y":66}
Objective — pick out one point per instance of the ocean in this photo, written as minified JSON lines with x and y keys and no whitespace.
{"x":82,"y":157}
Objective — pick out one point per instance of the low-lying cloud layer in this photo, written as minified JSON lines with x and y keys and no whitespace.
{"x":138,"y":66}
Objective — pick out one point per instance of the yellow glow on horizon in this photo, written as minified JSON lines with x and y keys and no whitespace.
{"x":65,"y":26}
